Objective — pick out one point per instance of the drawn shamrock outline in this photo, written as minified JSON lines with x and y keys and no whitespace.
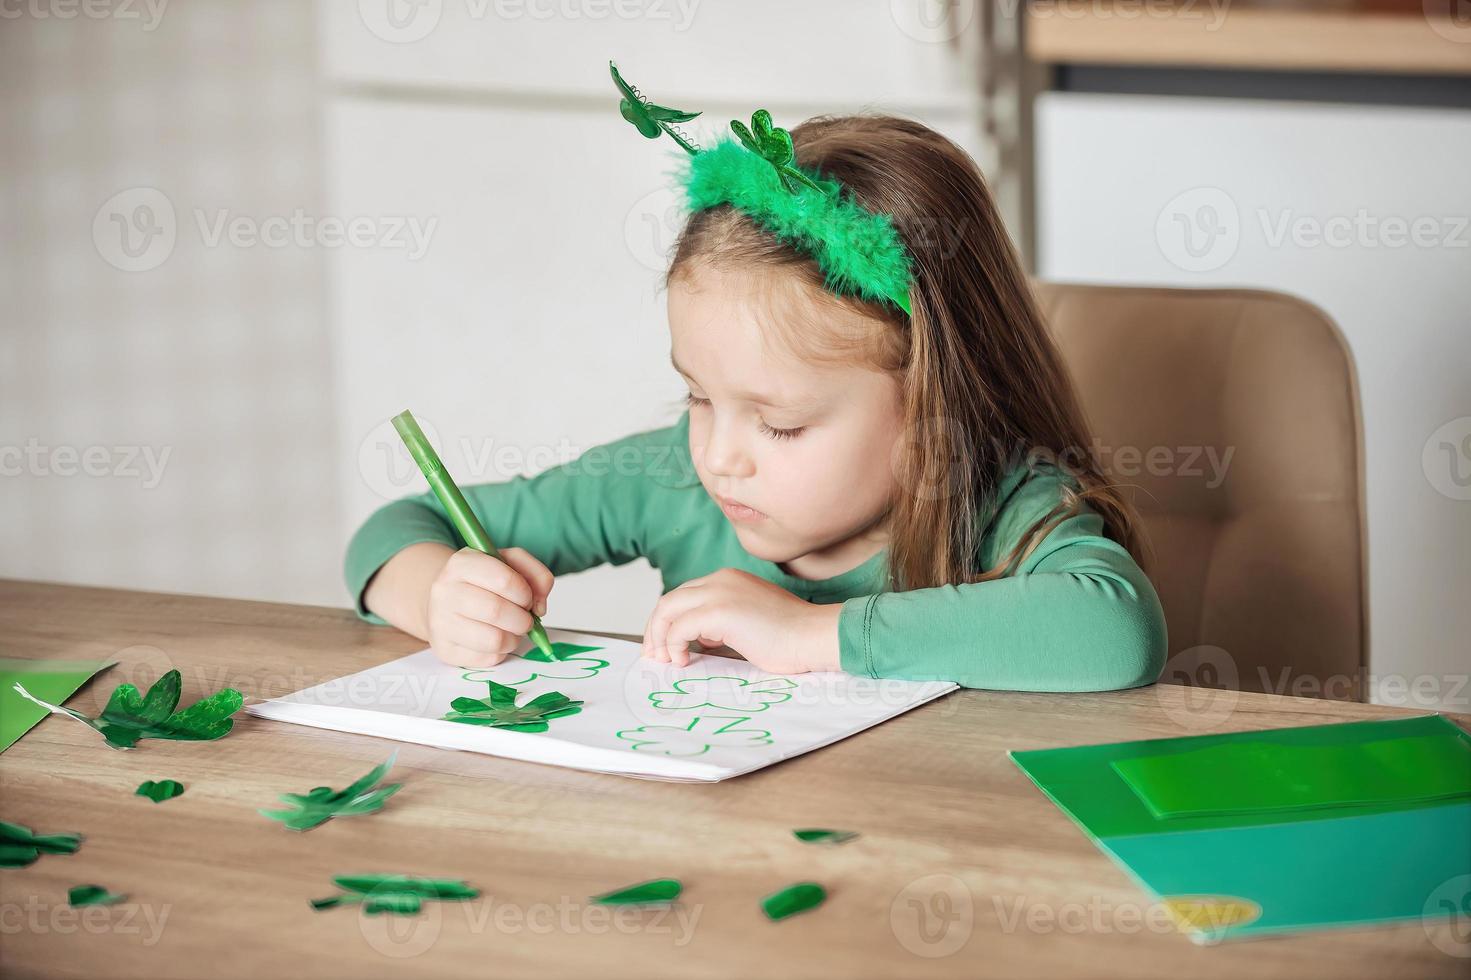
{"x":488,"y":674}
{"x":763,"y":737}
{"x":769,"y":691}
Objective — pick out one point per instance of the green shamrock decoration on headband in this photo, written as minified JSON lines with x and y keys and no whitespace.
{"x":774,"y":145}
{"x":650,"y":119}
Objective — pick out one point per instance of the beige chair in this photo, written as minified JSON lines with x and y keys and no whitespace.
{"x":1234,"y":415}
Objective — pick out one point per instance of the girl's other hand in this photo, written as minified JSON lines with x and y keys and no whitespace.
{"x":476,"y":610}
{"x":760,"y":620}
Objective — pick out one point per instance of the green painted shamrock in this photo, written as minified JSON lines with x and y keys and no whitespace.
{"x":323,"y":803}
{"x":650,"y":119}
{"x":500,"y":709}
{"x":130,"y":716}
{"x":565,"y":665}
{"x":774,"y":145}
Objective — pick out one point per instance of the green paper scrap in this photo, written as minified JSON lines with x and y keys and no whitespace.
{"x":796,"y":898}
{"x":500,"y":710}
{"x":53,"y":680}
{"x":560,"y":651}
{"x":321,"y":804}
{"x":93,"y":895}
{"x":656,"y":891}
{"x":397,"y":894}
{"x":1268,"y":774}
{"x":130,"y":716}
{"x":163,"y":789}
{"x":20,"y":847}
{"x":815,"y":836}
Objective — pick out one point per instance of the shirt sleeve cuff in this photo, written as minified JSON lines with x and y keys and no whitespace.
{"x":386,"y":533}
{"x":855,"y":654}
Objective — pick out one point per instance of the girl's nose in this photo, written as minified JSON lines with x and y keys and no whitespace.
{"x":725,"y":455}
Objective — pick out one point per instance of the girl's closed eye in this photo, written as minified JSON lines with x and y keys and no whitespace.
{"x":774,"y":432}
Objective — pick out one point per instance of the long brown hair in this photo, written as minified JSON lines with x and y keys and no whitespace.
{"x":983,"y":386}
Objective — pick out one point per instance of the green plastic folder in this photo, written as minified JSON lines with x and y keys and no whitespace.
{"x":1254,"y":833}
{"x":49,"y":680}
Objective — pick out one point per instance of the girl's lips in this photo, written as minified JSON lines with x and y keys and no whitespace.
{"x":737,"y":511}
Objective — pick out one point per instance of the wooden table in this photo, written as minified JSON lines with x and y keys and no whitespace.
{"x":960,"y":854}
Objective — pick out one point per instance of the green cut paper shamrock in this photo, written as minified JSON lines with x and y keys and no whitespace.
{"x":323,"y":803}
{"x":564,"y":665}
{"x":649,"y":119}
{"x":20,"y":847}
{"x":398,"y":894}
{"x":724,"y":693}
{"x":774,"y":145}
{"x":500,"y":709}
{"x":130,"y":716}
{"x":698,"y":737}
{"x":163,"y":789}
{"x":92,"y":895}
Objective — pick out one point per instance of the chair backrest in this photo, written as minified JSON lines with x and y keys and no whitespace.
{"x":1234,"y":415}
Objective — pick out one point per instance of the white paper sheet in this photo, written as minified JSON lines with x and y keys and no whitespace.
{"x":716,"y":718}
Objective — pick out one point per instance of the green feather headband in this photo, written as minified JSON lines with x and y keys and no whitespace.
{"x":859,"y":251}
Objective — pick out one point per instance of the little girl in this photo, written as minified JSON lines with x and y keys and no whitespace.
{"x":851,"y":487}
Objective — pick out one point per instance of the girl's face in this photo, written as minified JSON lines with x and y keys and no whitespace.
{"x":796,"y":453}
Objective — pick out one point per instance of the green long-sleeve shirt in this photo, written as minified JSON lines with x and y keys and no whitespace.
{"x":1077,"y":615}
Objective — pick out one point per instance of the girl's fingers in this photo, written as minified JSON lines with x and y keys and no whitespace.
{"x":698,"y":625}
{"x":475,"y":603}
{"x":536,"y":574}
{"x":671,"y":608}
{"x":493,"y":575}
{"x":671,"y":599}
{"x":486,"y":644}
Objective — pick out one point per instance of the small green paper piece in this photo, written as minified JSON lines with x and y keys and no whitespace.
{"x":130,"y":716}
{"x":93,"y":895}
{"x":321,"y":804}
{"x":815,"y":836}
{"x":658,"y":891}
{"x":500,"y":709}
{"x":20,"y":847}
{"x":396,"y":894}
{"x":789,"y":901}
{"x":163,"y":789}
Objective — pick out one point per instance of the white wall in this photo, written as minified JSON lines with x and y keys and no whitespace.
{"x":165,"y":417}
{"x":1304,"y":199}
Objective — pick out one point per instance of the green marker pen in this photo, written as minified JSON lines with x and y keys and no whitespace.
{"x":454,"y":504}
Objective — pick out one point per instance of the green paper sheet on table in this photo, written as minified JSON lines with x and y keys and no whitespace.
{"x":50,"y":680}
{"x":1262,"y":832}
{"x":1278,"y":774}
